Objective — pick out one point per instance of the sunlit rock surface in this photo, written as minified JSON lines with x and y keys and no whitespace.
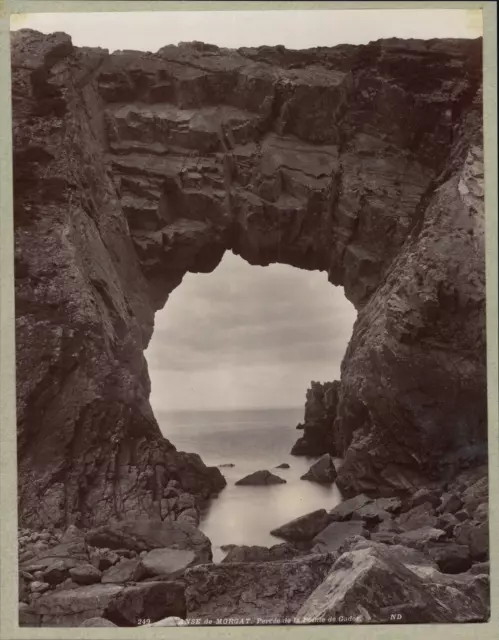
{"x":133,"y":169}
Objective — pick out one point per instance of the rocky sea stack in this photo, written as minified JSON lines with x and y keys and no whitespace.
{"x":132,"y":169}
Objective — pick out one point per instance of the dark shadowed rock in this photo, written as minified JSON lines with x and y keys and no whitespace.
{"x":253,"y":590}
{"x":320,"y":412}
{"x":261,"y":478}
{"x":476,"y":537}
{"x":303,"y":528}
{"x":449,"y":556}
{"x":283,"y":465}
{"x":335,"y":534}
{"x":127,"y":570}
{"x":322,"y":471}
{"x":148,"y":600}
{"x":145,"y":535}
{"x":57,"y":572}
{"x":371,"y":582}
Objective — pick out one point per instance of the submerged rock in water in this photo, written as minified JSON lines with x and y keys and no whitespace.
{"x":322,"y":471}
{"x":304,"y":528}
{"x":261,"y":478}
{"x":283,"y":465}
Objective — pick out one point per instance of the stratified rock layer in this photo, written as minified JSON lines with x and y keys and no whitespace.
{"x":132,"y":169}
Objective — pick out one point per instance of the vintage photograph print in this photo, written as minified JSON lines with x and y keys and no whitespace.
{"x":250,"y":318}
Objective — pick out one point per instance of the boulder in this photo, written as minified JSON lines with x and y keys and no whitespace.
{"x":371,"y":582}
{"x":322,"y":471}
{"x":127,"y":570}
{"x":85,"y":574}
{"x":167,"y":562}
{"x":144,"y":535}
{"x":371,"y":514}
{"x":73,"y":553}
{"x":303,"y":528}
{"x":449,"y":556}
{"x":106,"y":560}
{"x":447,"y":522}
{"x":418,"y":538}
{"x":422,"y":496}
{"x":345,"y":509}
{"x":57,"y":572}
{"x":283,"y":465}
{"x":148,"y":600}
{"x":97,"y":622}
{"x":253,"y":591}
{"x":451,"y":503}
{"x":260,"y":478}
{"x":71,"y":607}
{"x":480,"y":568}
{"x":335,"y":534}
{"x":420,"y":516}
{"x":481,"y":513}
{"x":475,"y":494}
{"x":476,"y":537}
{"x":243,"y":553}
{"x":391,"y":505}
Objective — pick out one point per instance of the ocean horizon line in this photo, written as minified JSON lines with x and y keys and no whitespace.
{"x":227,"y":410}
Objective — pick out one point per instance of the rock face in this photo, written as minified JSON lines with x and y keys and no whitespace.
{"x":132,"y":169}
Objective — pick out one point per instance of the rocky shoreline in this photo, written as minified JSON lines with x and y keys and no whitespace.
{"x":428,"y":552}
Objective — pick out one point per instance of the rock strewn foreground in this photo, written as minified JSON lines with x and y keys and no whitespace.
{"x":132,"y":169}
{"x":419,"y":559}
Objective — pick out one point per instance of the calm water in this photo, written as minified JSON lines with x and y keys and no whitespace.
{"x":251,"y":440}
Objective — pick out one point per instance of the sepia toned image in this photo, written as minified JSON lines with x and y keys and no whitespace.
{"x":250,"y":318}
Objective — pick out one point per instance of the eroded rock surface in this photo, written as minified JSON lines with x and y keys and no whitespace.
{"x":132,"y":169}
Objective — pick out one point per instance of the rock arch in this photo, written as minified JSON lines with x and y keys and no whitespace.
{"x":134,"y":168}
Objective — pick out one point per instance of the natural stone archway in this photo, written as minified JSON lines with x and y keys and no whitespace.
{"x":132,"y":169}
